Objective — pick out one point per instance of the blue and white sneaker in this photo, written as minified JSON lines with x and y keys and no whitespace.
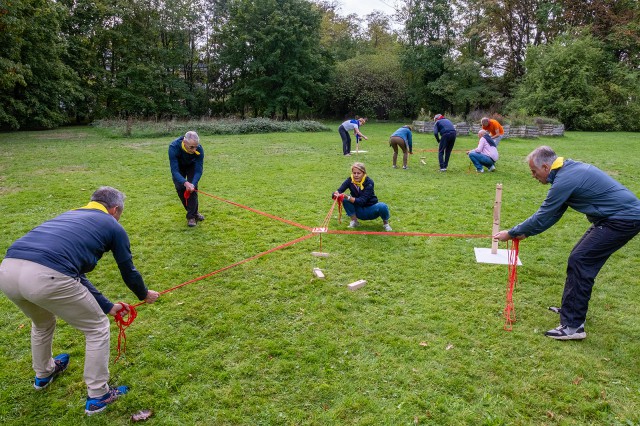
{"x":96,"y":405}
{"x":62,"y":362}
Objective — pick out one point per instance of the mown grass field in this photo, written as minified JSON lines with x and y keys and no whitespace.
{"x":267,"y":343}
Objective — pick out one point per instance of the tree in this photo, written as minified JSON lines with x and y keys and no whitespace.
{"x":428,"y":39}
{"x":36,"y":87}
{"x":370,"y":85}
{"x":578,"y":81}
{"x":271,"y":48}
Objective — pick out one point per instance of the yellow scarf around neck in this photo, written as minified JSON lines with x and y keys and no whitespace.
{"x":360,"y":183}
{"x":185,"y":150}
{"x":94,"y":205}
{"x":559,"y":162}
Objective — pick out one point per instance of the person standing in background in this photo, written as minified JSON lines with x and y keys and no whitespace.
{"x":445,"y":134}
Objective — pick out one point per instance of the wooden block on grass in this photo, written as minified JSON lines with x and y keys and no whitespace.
{"x":356,"y":285}
{"x":319,"y":254}
{"x":318,"y":273}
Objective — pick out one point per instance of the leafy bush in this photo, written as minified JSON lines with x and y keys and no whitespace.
{"x":135,"y":128}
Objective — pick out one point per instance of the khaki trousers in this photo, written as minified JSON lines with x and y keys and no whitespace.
{"x":44,"y":294}
{"x":395,"y":142}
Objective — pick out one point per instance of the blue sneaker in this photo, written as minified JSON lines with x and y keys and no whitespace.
{"x":62,"y":362}
{"x":96,"y":405}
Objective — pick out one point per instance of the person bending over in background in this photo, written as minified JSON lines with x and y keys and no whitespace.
{"x":612,"y":209}
{"x":362,"y":203}
{"x":43,"y":273}
{"x":486,"y":154}
{"x":444,"y":127}
{"x":186,"y":160}
{"x":402,"y":139}
{"x":494,"y":128}
{"x":344,"y":130}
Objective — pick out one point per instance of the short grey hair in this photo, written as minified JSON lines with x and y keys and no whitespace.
{"x":542,"y":155}
{"x":109,"y":197}
{"x":482,"y":132}
{"x":192,"y":136}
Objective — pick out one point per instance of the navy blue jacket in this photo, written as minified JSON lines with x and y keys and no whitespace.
{"x":74,"y":242}
{"x":363,"y":197}
{"x":179,"y":159}
{"x":586,"y":189}
{"x":443,"y":126}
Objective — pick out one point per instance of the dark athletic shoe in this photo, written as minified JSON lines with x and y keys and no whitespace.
{"x":96,"y":405}
{"x":199,"y":217}
{"x":562,"y":332}
{"x":191,"y":222}
{"x":62,"y":362}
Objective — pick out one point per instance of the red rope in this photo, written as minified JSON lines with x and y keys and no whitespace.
{"x":123,"y":323}
{"x":509,"y":310}
{"x":186,"y":196}
{"x":408,"y":234}
{"x":306,"y":228}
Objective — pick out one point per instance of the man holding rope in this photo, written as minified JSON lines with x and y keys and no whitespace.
{"x":612,"y":209}
{"x":186,"y":159}
{"x":43,"y":273}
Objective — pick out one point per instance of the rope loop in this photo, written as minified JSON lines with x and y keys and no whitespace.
{"x":124,"y":318}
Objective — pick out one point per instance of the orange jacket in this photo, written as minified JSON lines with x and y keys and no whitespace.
{"x":494,"y":128}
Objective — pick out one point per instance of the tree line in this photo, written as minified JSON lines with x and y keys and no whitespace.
{"x":75,"y":61}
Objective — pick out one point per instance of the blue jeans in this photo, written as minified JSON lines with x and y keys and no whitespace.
{"x":378,"y":210}
{"x":585,"y":261}
{"x":480,"y":160}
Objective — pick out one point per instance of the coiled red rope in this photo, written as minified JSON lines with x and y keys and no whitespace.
{"x":123,"y":323}
{"x":509,"y":310}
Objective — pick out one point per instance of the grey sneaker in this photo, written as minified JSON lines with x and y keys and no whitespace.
{"x":191,"y":222}
{"x":387,"y":227}
{"x":353,"y":224}
{"x":562,"y":332}
{"x":480,"y":170}
{"x":492,"y":168}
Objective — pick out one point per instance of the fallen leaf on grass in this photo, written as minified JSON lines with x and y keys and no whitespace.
{"x":449,"y":346}
{"x":577,"y":380}
{"x":423,"y":343}
{"x":141,"y":415}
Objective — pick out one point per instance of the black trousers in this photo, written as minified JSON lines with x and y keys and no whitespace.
{"x":191,"y":204}
{"x":444,"y":149}
{"x":346,"y":140}
{"x":588,"y":256}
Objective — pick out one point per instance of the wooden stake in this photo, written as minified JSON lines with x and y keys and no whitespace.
{"x":497,"y":205}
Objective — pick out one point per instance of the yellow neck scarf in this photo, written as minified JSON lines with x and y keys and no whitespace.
{"x":359,"y":183}
{"x":559,"y":162}
{"x":94,"y":205}
{"x":185,"y":149}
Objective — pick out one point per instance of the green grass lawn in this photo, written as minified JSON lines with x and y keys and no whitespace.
{"x":267,"y":343}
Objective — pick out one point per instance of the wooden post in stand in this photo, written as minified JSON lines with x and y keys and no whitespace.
{"x":497,"y":205}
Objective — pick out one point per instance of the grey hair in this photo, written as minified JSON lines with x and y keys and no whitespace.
{"x":484,"y":120}
{"x":542,"y":155}
{"x":482,"y":132}
{"x":109,"y":197}
{"x":192,"y":136}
